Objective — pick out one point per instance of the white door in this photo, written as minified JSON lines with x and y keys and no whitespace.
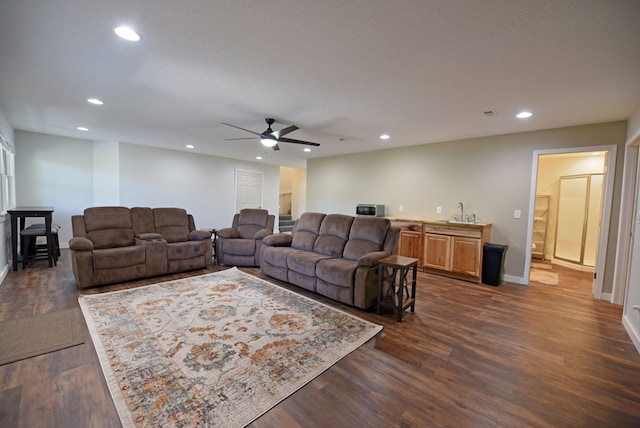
{"x":248,"y":189}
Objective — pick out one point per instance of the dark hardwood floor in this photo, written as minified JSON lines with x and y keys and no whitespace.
{"x":471,"y":356}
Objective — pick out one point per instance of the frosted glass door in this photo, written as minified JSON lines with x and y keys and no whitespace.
{"x":593,"y":220}
{"x":572,"y":202}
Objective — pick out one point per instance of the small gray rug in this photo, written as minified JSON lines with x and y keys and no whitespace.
{"x":39,"y":334}
{"x":544,"y":277}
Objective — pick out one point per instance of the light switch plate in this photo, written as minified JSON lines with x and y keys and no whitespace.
{"x":438,"y":209}
{"x":517,"y":214}
{"x":401,"y":208}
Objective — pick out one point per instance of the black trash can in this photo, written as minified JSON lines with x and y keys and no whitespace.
{"x":492,"y":263}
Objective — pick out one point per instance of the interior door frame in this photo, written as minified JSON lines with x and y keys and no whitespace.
{"x":607,"y":201}
{"x":625,"y":224}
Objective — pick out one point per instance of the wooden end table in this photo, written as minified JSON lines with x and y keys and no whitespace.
{"x":393,"y":271}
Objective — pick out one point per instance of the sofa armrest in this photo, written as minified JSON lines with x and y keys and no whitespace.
{"x":228,"y":232}
{"x":262,"y":233}
{"x":372,"y":259}
{"x":199,"y":235}
{"x":278,"y":240}
{"x":149,"y":236}
{"x":80,"y":244}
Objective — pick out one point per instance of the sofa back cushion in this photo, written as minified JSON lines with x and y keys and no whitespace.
{"x":367,"y":235}
{"x":109,"y":227}
{"x":172,"y":224}
{"x":306,"y":230}
{"x":334,"y":232}
{"x":250,"y":221}
{"x":142,"y":220}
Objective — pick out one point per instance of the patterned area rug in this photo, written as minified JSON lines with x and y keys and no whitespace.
{"x":213,"y":350}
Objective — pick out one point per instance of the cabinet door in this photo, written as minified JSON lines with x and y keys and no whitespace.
{"x":410,"y":244}
{"x":466,"y":256}
{"x":437,"y":251}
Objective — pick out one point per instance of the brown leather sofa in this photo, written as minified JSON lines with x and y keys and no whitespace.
{"x":239,"y":245}
{"x":334,"y":255}
{"x":116,"y":244}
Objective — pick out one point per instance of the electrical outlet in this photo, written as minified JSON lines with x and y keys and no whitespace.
{"x":438,"y":209}
{"x":517,"y":214}
{"x":401,"y":208}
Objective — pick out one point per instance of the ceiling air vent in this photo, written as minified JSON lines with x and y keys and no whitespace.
{"x":489,"y":113}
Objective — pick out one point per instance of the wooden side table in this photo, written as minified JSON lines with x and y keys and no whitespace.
{"x":393,"y":272}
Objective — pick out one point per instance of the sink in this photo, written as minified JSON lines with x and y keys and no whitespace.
{"x":460,"y":222}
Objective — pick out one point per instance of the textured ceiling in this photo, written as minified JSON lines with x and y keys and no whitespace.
{"x":342,"y":71}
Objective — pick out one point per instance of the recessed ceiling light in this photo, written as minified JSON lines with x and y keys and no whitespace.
{"x":189,"y":146}
{"x":95,"y":101}
{"x":384,"y":137}
{"x":127,"y":34}
{"x":524,"y":114}
{"x":307,"y":149}
{"x":259,"y":157}
{"x":82,"y":128}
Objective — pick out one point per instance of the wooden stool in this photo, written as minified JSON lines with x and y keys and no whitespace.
{"x":392,"y":272}
{"x":30,"y":248}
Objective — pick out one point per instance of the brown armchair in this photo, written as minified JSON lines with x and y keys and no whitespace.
{"x":239,"y":245}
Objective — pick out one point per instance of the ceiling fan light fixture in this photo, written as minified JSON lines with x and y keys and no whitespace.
{"x":268,"y":140}
{"x":127,"y":33}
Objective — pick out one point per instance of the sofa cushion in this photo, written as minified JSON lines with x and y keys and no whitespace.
{"x":172,"y":224}
{"x":334,"y":232}
{"x":306,"y":230}
{"x":185,"y":250}
{"x":248,"y":231}
{"x":109,"y":227}
{"x":244,"y":247}
{"x":250,"y":221}
{"x":340,"y":272}
{"x":366,"y":236}
{"x":115,"y":258}
{"x":276,"y":256}
{"x":304,"y":262}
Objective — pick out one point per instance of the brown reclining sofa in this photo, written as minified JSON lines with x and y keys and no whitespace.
{"x":334,"y":255}
{"x":116,"y":244}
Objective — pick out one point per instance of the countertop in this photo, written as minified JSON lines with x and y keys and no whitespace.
{"x":476,"y":225}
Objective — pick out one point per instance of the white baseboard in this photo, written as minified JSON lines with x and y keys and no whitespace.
{"x":607,"y":296}
{"x":633,"y":334}
{"x":5,"y":272}
{"x":515,"y":279}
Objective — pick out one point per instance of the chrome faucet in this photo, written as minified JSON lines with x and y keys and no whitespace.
{"x":461,"y":206}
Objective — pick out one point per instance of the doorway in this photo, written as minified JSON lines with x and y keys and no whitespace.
{"x":549,"y":167}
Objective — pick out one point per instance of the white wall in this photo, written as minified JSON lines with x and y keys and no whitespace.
{"x":490,"y":175}
{"x":203,"y":185}
{"x":106,"y":173}
{"x":299,"y":192}
{"x":54,"y":171}
{"x":60,"y":172}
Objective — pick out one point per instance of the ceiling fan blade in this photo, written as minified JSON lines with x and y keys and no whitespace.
{"x":290,"y":140}
{"x":276,"y":147}
{"x":235,"y":139}
{"x":284,"y":131}
{"x":243,"y":129}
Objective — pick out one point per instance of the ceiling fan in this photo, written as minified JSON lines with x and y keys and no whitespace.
{"x":271,"y":138}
